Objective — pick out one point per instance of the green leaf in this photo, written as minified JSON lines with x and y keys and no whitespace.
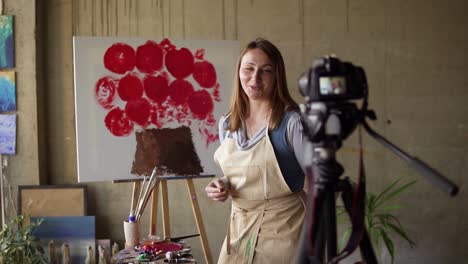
{"x":402,"y":233}
{"x":345,"y":237}
{"x":389,"y":245}
{"x":370,"y":202}
{"x":384,"y":192}
{"x":386,"y":197}
{"x":389,"y":218}
{"x":376,"y":239}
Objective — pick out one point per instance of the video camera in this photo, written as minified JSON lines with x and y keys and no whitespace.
{"x":330,"y":79}
{"x":327,"y":87}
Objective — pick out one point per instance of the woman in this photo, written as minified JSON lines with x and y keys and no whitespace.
{"x":261,"y":143}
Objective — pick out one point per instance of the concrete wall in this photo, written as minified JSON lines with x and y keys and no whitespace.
{"x":25,"y":168}
{"x":414,"y":53}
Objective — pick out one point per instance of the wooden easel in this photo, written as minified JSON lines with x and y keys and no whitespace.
{"x":165,"y":209}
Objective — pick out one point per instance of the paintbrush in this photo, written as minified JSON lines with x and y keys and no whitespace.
{"x":146,"y":197}
{"x":142,"y":187}
{"x":137,"y":190}
{"x":142,"y":195}
{"x":146,"y":194}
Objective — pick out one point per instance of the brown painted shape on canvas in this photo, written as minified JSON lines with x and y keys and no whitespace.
{"x":170,"y":149}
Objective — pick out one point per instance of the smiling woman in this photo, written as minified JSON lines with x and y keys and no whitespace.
{"x":256,"y":75}
{"x":261,"y":138}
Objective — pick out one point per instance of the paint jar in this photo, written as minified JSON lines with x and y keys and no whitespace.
{"x":132,"y":234}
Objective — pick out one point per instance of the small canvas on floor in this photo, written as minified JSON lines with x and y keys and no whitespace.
{"x":78,"y":232}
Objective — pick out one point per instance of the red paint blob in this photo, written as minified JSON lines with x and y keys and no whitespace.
{"x":165,"y":246}
{"x":105,"y":91}
{"x":200,"y":104}
{"x":119,"y":58}
{"x":156,"y":88}
{"x":216,"y":94}
{"x":117,"y":123}
{"x":179,"y":62}
{"x":179,"y":90}
{"x":138,"y":111}
{"x":130,"y":87}
{"x":200,"y":54}
{"x":205,"y":74}
{"x":153,"y":115}
{"x":167,"y":45}
{"x":149,"y":57}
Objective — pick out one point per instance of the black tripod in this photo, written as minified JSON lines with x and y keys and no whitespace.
{"x":328,"y":118}
{"x":320,"y":233}
{"x":319,"y":230}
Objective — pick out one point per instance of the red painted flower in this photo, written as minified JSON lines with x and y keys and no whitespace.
{"x":156,"y":88}
{"x":179,"y":90}
{"x":200,"y":104}
{"x":105,"y":91}
{"x":130,"y":87}
{"x":179,"y":62}
{"x":205,"y":74}
{"x":149,"y":57}
{"x":117,"y":123}
{"x":119,"y":58}
{"x":138,"y":111}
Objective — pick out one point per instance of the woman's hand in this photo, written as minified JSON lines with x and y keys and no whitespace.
{"x":218,"y":190}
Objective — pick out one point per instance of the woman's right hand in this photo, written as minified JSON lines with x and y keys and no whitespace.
{"x":217,"y":190}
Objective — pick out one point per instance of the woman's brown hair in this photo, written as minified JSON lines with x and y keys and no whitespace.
{"x":280,"y":101}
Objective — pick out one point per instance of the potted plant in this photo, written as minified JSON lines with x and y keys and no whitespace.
{"x":381,"y":224}
{"x":18,"y":245}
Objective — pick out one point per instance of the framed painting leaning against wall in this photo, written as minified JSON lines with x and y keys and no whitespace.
{"x":52,"y":200}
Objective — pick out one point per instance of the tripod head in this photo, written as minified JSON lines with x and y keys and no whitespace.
{"x":329,"y":116}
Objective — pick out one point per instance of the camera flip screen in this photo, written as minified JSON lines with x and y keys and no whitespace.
{"x":332,"y":85}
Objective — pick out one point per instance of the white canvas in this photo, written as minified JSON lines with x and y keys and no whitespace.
{"x":102,"y":156}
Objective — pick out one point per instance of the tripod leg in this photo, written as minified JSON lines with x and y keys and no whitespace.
{"x":319,"y":241}
{"x":363,"y":242}
{"x":330,"y":224}
{"x":367,"y":252}
{"x":312,"y":240}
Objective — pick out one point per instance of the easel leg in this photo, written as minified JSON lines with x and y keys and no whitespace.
{"x":154,"y":211}
{"x":165,"y":210}
{"x":199,"y":220}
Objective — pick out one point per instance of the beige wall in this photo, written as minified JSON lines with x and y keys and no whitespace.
{"x":414,"y":53}
{"x":25,"y":167}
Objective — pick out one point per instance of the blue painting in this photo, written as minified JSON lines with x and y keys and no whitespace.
{"x":7,"y":134}
{"x":7,"y":44}
{"x":78,"y":232}
{"x":7,"y":91}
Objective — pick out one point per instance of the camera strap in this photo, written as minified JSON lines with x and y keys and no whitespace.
{"x":354,"y":202}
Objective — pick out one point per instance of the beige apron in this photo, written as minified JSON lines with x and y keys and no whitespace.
{"x":266,"y":217}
